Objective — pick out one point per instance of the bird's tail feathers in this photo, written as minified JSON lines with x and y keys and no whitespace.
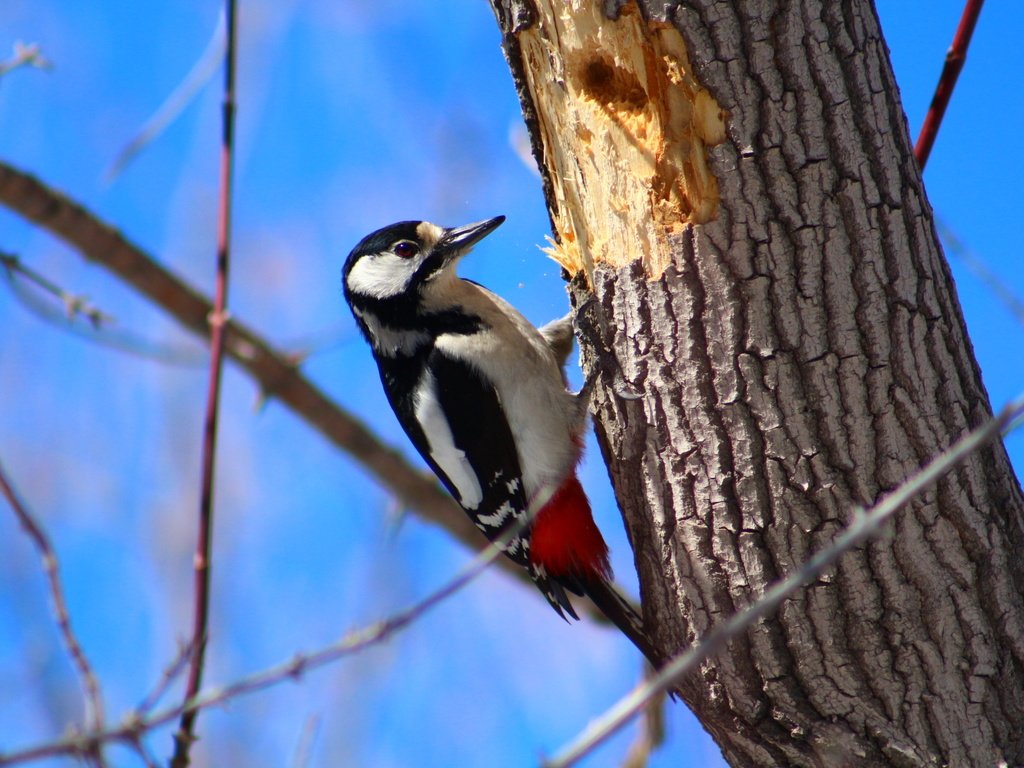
{"x":553,"y":591}
{"x":623,"y":615}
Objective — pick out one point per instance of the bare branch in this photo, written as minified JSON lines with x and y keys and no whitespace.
{"x":865,"y":524}
{"x":99,"y":327}
{"x":955,"y":58}
{"x":90,"y":684}
{"x":204,"y":540}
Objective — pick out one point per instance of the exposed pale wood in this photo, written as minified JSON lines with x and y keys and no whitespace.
{"x":798,"y":349}
{"x":625,"y":127}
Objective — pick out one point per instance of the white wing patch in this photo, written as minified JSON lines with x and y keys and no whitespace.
{"x":496,"y":520}
{"x":449,"y":458}
{"x":381,"y":275}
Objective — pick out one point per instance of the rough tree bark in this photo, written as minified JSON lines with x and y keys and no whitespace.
{"x":733,"y":183}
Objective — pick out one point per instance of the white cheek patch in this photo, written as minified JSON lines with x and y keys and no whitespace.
{"x":381,"y":275}
{"x":449,"y":458}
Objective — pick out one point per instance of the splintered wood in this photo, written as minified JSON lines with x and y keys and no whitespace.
{"x":633,"y":126}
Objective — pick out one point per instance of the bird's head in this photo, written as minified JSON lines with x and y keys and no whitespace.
{"x":396,"y":262}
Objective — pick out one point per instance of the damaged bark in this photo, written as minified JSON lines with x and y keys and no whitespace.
{"x":732,"y":187}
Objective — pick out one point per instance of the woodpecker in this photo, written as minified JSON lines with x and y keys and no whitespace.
{"x":482,"y":395}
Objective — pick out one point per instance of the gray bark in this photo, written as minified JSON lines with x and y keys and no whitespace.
{"x":798,"y":352}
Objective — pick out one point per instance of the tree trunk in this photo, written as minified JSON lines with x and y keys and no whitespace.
{"x":733,"y":186}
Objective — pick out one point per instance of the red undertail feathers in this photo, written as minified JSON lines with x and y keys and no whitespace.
{"x":565,"y":540}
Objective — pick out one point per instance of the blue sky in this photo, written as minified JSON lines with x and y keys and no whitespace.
{"x":351,"y":115}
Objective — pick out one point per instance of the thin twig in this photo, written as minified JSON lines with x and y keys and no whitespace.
{"x":307,"y":738}
{"x":102,"y":327}
{"x":99,"y":327}
{"x":991,"y":280}
{"x":74,"y":306}
{"x":185,"y":735}
{"x":25,"y":55}
{"x":865,"y":524}
{"x":955,"y":58}
{"x":136,"y":724}
{"x":145,"y":755}
{"x":204,"y":68}
{"x":88,"y":679}
{"x":171,"y":672}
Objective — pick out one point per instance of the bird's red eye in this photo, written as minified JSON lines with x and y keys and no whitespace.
{"x":406,"y":249}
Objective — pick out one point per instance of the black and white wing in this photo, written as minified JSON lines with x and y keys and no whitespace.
{"x":470,"y":446}
{"x":454,"y":418}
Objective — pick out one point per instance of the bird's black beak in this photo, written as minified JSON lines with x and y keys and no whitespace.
{"x":457,"y":240}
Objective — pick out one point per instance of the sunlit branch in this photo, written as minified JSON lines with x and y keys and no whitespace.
{"x":651,"y":733}
{"x":147,"y":757}
{"x":30,"y":288}
{"x":304,"y":747}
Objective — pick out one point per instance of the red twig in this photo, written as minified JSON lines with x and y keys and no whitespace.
{"x":955,"y":58}
{"x":218,"y":318}
{"x":90,"y":685}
